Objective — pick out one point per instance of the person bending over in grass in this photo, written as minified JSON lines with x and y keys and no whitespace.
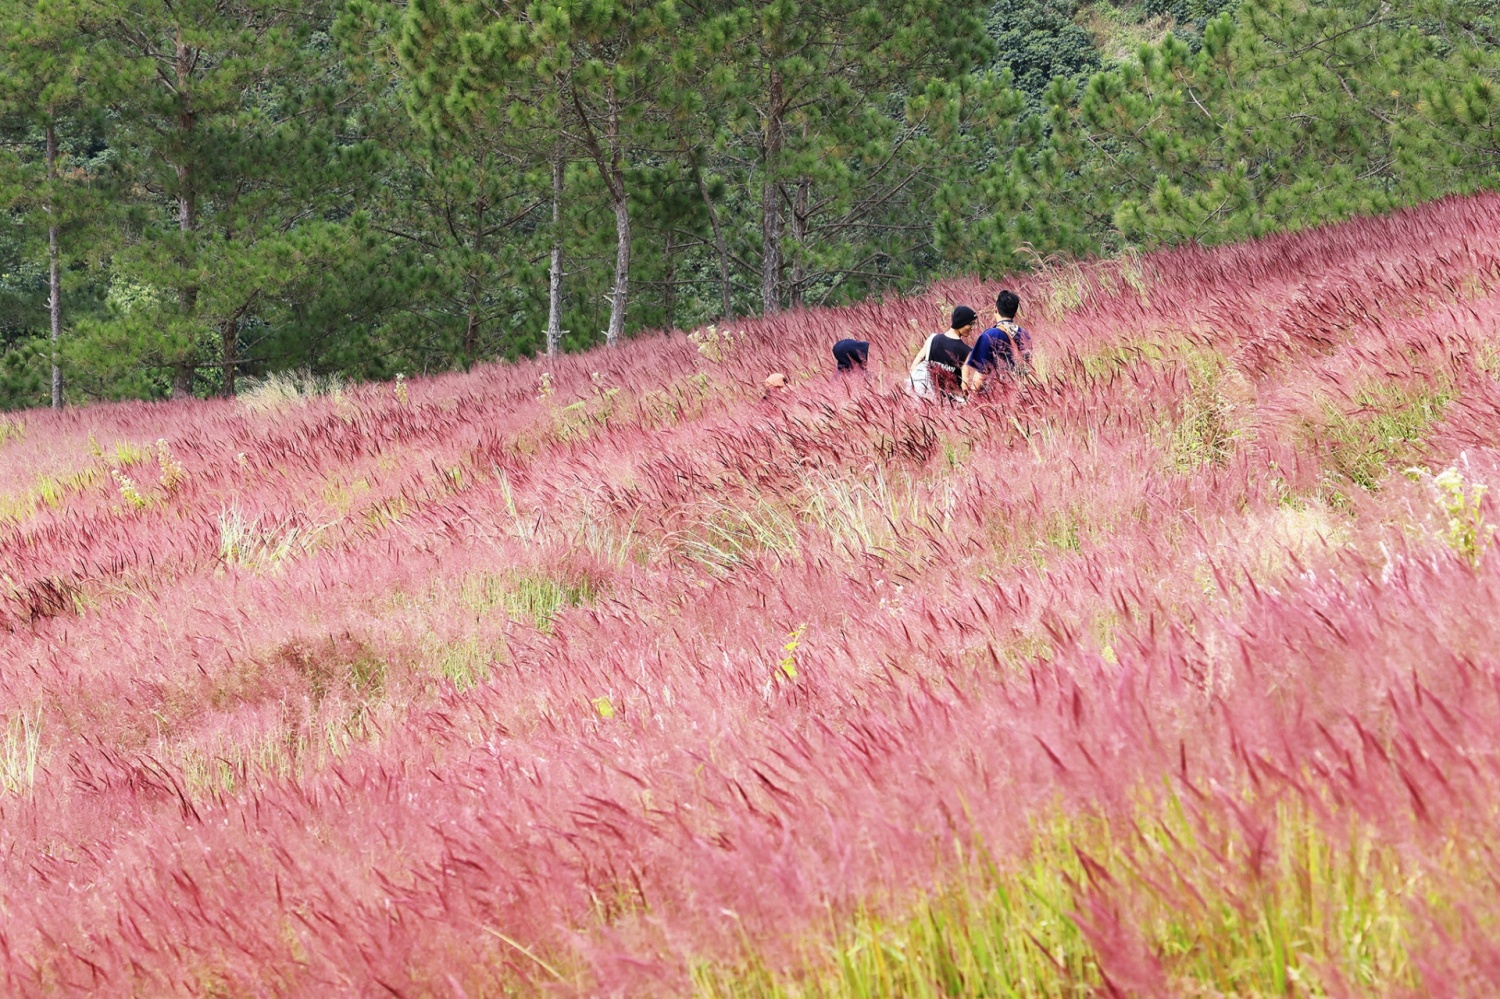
{"x":935,"y":370}
{"x":1002,"y":352}
{"x":851,"y":354}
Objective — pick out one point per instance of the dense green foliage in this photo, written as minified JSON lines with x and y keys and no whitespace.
{"x":236,"y":187}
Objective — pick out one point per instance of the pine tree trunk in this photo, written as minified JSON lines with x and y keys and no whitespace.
{"x":669,"y":277}
{"x":54,"y":261}
{"x":612,"y":173}
{"x":622,"y":228}
{"x":471,"y":326}
{"x":182,"y":381}
{"x":770,"y":201}
{"x":799,"y":237}
{"x":187,"y":293}
{"x":471,"y":332}
{"x":187,"y":215}
{"x":476,"y":284}
{"x":554,"y":290}
{"x":622,"y":273}
{"x":230,"y":336}
{"x":725,"y":291}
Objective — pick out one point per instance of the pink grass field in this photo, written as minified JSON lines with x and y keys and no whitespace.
{"x":577,"y":675}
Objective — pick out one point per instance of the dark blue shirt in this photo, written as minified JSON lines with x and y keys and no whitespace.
{"x":1001,"y":348}
{"x":851,"y":354}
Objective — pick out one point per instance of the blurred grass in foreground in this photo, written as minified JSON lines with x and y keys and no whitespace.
{"x":1317,"y":914}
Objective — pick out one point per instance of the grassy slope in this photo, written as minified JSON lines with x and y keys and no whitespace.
{"x":611,"y":676}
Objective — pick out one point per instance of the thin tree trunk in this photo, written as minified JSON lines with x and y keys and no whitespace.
{"x":799,"y":237}
{"x":471,"y":326}
{"x":725,"y":291}
{"x":622,"y":228}
{"x":622,"y":273}
{"x":770,"y":200}
{"x":669,"y":292}
{"x":770,"y":235}
{"x":187,"y":294}
{"x":54,"y":261}
{"x":476,"y":285}
{"x":187,"y":216}
{"x":554,"y":290}
{"x":230,"y":336}
{"x":612,"y":172}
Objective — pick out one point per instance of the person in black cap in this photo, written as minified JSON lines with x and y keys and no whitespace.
{"x":851,"y":354}
{"x":935,"y":370}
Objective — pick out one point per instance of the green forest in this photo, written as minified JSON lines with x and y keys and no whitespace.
{"x":200,"y":193}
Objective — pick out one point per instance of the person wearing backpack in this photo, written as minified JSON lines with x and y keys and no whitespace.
{"x":935,"y":370}
{"x":1003,"y":351}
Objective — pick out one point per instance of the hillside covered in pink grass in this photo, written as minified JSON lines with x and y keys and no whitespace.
{"x":1172,"y":673}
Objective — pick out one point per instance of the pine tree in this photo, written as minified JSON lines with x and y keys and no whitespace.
{"x":224,"y":117}
{"x":230,"y":189}
{"x":1287,"y":114}
{"x":1460,"y":94}
{"x":798,"y":80}
{"x":42,"y":93}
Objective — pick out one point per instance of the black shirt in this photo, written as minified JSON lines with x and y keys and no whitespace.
{"x":945,"y":360}
{"x":948,"y":351}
